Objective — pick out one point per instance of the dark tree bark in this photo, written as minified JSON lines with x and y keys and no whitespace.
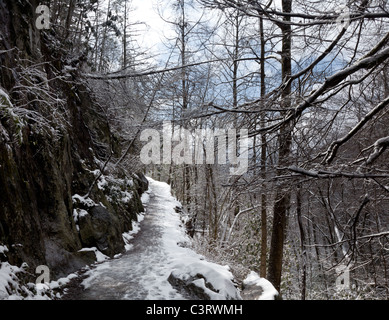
{"x":263,"y":256}
{"x":282,"y":200}
{"x":302,"y":243}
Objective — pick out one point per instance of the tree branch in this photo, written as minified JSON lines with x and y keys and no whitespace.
{"x":369,"y":236}
{"x":369,"y":61}
{"x":115,"y":76}
{"x":330,"y":174}
{"x":332,"y":150}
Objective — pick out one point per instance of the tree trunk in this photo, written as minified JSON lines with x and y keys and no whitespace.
{"x":282,"y":200}
{"x":104,"y":39}
{"x":68,"y":23}
{"x":302,"y":244}
{"x":125,"y":36}
{"x":263,"y":255}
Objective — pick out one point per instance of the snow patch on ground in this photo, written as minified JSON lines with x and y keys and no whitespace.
{"x":128,"y":236}
{"x":136,"y":225}
{"x":145,"y":198}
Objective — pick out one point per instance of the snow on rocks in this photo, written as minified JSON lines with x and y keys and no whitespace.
{"x":83,"y":200}
{"x":8,"y":280}
{"x":3,"y":250}
{"x":99,"y":255}
{"x":11,"y":288}
{"x":257,"y":288}
{"x":204,"y":280}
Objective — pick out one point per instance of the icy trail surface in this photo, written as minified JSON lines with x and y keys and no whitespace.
{"x":156,"y":251}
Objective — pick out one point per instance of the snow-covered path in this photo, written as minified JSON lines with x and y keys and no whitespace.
{"x":156,"y":251}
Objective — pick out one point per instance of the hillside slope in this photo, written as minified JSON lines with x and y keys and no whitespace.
{"x":54,"y":143}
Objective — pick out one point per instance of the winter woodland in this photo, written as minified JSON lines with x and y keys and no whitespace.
{"x":307,"y":80}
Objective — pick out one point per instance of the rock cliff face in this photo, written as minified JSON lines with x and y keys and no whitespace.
{"x":52,"y":144}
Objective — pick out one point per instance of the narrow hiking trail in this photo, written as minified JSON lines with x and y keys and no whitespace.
{"x":156,"y":251}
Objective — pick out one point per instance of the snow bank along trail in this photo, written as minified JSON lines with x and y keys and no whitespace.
{"x":155,"y":252}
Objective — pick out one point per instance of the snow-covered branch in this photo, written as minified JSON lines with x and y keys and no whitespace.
{"x":379,"y":147}
{"x":323,"y":174}
{"x":236,"y":219}
{"x":332,"y":150}
{"x":256,"y":9}
{"x":368,"y":236}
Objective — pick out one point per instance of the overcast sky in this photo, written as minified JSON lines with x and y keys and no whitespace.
{"x":147,"y":11}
